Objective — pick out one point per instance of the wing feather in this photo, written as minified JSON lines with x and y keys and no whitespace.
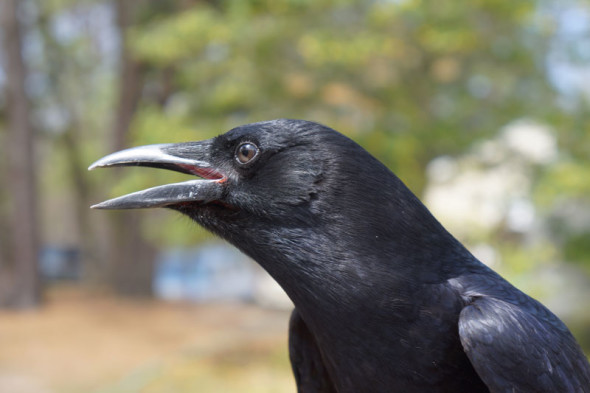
{"x":514,"y":349}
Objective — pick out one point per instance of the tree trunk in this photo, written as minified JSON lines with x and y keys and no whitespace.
{"x":132,"y":258}
{"x":19,"y":281}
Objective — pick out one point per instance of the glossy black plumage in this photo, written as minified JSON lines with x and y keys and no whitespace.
{"x":386,"y":299}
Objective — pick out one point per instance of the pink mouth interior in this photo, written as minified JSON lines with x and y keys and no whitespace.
{"x":205,"y":173}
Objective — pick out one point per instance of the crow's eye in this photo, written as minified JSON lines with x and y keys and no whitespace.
{"x":246,"y":152}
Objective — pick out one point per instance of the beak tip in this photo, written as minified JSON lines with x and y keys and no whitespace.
{"x":95,"y":164}
{"x":103,"y":205}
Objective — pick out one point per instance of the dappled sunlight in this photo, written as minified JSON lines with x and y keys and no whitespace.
{"x":480,"y":108}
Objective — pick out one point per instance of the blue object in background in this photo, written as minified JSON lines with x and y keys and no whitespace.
{"x":208,"y":273}
{"x":60,"y":263}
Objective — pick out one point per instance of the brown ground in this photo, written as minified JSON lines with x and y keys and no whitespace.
{"x":86,"y":342}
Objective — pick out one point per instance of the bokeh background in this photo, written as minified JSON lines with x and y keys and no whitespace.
{"x":481,"y":107}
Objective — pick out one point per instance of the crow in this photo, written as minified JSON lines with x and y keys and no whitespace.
{"x":386,"y":300}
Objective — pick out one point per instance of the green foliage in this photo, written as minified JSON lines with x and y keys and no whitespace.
{"x":567,"y":179}
{"x":577,"y":249}
{"x":425,"y":77}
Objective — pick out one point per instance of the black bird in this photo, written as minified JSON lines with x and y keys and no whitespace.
{"x":386,"y":300}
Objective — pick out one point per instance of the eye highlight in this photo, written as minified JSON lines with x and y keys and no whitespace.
{"x":246,"y":152}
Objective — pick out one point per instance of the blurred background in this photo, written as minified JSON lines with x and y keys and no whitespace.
{"x":481,"y":107}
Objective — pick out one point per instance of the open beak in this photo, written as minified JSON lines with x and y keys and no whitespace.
{"x":191,"y":158}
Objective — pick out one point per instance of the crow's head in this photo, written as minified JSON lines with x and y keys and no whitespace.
{"x":288,"y":190}
{"x":288,"y":172}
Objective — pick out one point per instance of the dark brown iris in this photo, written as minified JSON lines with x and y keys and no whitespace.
{"x":246,"y":152}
